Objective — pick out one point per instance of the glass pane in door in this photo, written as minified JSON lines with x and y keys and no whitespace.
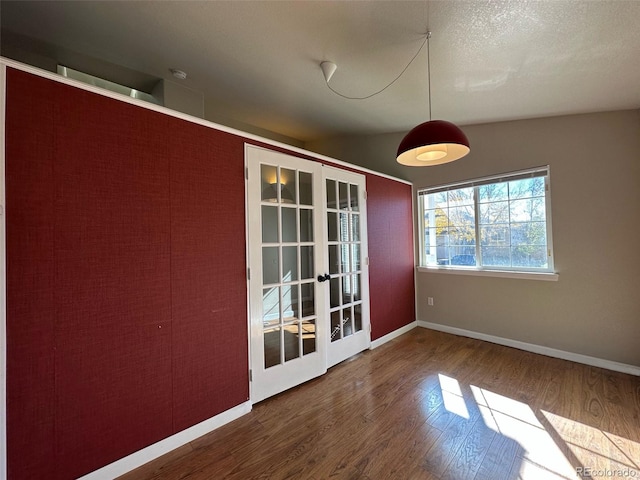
{"x":270,"y":306}
{"x":343,"y":196}
{"x":290,"y":303}
{"x":291,"y":342}
{"x":355,"y":227}
{"x":306,"y":188}
{"x":269,"y":179}
{"x":289,"y":226}
{"x":347,"y":327}
{"x":331,"y":193}
{"x":269,"y":224}
{"x":334,"y":295}
{"x":335,"y":326}
{"x":308,"y":337}
{"x":332,"y":226}
{"x":306,"y":225}
{"x":289,"y":264}
{"x":306,"y":262}
{"x":270,"y":262}
{"x":357,"y":317}
{"x":353,"y":197}
{"x":272,"y":347}
{"x":334,"y":259}
{"x":307,"y":298}
{"x":288,"y":188}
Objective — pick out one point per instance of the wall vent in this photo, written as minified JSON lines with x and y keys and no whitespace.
{"x":106,"y":84}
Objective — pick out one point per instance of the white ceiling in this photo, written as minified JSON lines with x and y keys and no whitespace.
{"x":257,"y":62}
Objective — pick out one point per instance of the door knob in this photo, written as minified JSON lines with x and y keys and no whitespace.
{"x":324,"y":278}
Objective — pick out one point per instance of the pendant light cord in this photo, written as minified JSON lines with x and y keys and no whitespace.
{"x":429,"y":72}
{"x":427,"y":19}
{"x":426,"y":38}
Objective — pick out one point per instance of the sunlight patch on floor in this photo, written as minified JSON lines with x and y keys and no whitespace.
{"x":527,"y":470}
{"x":518,"y":421}
{"x":598,"y":450}
{"x":630,"y":448}
{"x":553,"y":447}
{"x":452,"y":395}
{"x":506,"y":405}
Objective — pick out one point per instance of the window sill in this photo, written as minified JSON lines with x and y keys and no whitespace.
{"x":545,"y":276}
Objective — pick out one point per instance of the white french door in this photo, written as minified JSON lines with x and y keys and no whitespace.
{"x":288,"y":330}
{"x":346,"y":244}
{"x":308,"y":284}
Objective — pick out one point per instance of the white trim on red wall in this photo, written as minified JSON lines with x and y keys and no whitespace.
{"x":395,"y":334}
{"x":166,"y":445}
{"x":183,"y":116}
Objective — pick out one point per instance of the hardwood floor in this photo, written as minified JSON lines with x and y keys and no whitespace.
{"x":429,"y":405}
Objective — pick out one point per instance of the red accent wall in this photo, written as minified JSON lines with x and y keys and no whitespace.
{"x":112,"y":315}
{"x":30,"y":278}
{"x":126,"y":289}
{"x":208,"y":272}
{"x":391,"y":266}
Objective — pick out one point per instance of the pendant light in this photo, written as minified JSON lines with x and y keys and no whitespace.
{"x":434,"y":142}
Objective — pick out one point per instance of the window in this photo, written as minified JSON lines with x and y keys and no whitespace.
{"x":494,"y":223}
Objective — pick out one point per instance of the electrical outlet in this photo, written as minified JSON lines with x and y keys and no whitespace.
{"x":430,"y":301}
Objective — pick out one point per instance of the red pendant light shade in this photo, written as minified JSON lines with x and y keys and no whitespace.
{"x":432,"y":143}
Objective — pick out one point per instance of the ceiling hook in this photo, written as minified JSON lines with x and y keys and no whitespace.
{"x":328,"y":69}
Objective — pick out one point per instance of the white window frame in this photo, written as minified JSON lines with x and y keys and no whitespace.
{"x":547,"y":273}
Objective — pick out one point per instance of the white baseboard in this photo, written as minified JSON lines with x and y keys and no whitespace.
{"x":390,"y":336}
{"x":139,"y":458}
{"x":530,"y":347}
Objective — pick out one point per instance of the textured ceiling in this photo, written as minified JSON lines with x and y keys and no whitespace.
{"x":257,"y":62}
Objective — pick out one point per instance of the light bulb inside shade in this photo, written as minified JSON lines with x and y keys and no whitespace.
{"x":432,"y":153}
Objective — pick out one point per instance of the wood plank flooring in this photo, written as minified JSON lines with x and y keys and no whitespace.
{"x":429,"y":405}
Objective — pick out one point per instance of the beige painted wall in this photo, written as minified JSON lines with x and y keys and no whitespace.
{"x":594,"y":308}
{"x":377,"y":152}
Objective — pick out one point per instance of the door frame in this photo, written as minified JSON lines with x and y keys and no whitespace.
{"x":323,"y":341}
